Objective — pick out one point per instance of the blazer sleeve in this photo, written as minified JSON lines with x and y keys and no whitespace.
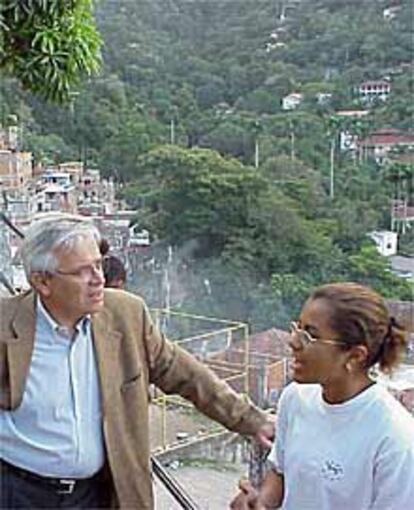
{"x":174,"y":370}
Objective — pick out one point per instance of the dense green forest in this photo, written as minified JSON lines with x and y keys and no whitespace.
{"x":187,"y":115}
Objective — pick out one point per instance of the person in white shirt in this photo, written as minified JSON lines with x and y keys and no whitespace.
{"x":343,"y":442}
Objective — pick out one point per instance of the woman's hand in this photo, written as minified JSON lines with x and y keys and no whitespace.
{"x":269,"y":496}
{"x":247,"y":498}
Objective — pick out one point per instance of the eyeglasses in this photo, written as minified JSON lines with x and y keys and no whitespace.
{"x":85,"y":273}
{"x":306,"y":338}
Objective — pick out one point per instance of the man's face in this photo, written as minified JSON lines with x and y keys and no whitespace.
{"x":75,"y":288}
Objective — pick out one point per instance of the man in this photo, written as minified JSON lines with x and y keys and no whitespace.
{"x":113,"y":268}
{"x":114,"y":272}
{"x":75,"y":364}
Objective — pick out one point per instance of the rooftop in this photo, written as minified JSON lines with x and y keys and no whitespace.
{"x":388,"y":136}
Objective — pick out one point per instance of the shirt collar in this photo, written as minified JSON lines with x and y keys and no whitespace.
{"x":80,"y":327}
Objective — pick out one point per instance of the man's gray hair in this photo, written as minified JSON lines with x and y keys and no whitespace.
{"x":47,"y":234}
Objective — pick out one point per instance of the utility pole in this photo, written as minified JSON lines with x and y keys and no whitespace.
{"x":173,"y":112}
{"x":256,"y":128}
{"x":332,"y":168}
{"x":256,"y":152}
{"x":172,"y":131}
{"x":334,"y":127}
{"x":292,"y":138}
{"x":292,"y":145}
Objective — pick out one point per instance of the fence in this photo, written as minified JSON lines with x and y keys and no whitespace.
{"x":174,"y":421}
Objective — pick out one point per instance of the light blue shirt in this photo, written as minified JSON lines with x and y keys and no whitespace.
{"x":57,"y":429}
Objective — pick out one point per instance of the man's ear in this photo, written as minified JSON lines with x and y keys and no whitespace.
{"x":41,"y":283}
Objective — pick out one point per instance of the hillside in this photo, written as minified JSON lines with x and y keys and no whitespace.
{"x":272,"y":206}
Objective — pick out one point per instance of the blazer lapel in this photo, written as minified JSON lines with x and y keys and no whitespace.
{"x":107,"y":343}
{"x":20,"y":348}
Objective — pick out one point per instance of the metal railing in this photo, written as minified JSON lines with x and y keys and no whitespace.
{"x":174,"y":488}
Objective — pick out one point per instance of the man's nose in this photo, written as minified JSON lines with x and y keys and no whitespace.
{"x":97,"y":276}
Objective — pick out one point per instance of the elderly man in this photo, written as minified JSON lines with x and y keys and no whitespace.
{"x":75,"y":364}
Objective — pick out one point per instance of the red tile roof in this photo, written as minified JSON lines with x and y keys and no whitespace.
{"x":388,"y":137}
{"x":375,"y":83}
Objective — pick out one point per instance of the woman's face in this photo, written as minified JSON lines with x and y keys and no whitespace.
{"x":318,"y":361}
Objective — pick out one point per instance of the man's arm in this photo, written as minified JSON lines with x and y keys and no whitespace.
{"x":174,"y":370}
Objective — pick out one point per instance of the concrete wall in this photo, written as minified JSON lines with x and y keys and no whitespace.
{"x":223,"y":447}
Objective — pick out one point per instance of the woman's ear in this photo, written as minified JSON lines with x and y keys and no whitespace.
{"x":357,"y":358}
{"x":41,"y":283}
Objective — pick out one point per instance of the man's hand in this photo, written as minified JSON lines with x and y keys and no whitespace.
{"x":266,"y":434}
{"x":247,"y":498}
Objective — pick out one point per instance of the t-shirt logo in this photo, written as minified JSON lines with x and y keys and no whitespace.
{"x":332,"y":471}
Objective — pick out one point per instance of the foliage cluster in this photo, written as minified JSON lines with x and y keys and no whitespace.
{"x":48,"y":45}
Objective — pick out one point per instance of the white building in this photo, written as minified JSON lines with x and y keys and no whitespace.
{"x":323,"y":98}
{"x":386,"y":241}
{"x":292,"y":101}
{"x":391,"y":12}
{"x":50,"y":176}
{"x":348,"y":141}
{"x":374,"y":90}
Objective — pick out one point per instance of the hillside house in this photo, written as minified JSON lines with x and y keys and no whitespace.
{"x":75,"y":170}
{"x":347,"y":139}
{"x":292,"y":101}
{"x":386,"y":241}
{"x":379,"y":144}
{"x":374,"y":90}
{"x":15,"y":169}
{"x":391,"y":12}
{"x":269,"y":371}
{"x":9,"y":138}
{"x":402,"y":216}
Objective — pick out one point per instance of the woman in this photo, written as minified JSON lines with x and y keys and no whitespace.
{"x":343,"y":442}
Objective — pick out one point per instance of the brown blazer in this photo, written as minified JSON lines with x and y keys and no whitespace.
{"x":131,"y":354}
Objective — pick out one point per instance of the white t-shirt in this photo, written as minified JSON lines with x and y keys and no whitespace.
{"x":358,"y":455}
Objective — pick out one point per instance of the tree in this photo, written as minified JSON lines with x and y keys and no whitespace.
{"x":133,"y":136}
{"x":401,"y":175}
{"x":49,"y":45}
{"x":230,"y":138}
{"x":298,"y":181}
{"x":49,"y":149}
{"x":291,"y":289}
{"x":201,"y":196}
{"x":370,"y":268}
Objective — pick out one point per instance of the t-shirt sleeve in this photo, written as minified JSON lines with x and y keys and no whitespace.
{"x":394,"y":474}
{"x":276,"y":456}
